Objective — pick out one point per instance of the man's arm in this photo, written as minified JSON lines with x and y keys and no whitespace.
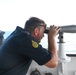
{"x":52,"y":47}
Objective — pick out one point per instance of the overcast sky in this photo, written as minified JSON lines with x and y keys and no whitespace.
{"x":15,"y":12}
{"x":58,"y":12}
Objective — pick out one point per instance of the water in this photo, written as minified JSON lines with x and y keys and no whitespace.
{"x":7,"y":33}
{"x":69,"y":39}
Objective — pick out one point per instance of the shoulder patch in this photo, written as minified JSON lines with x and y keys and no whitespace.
{"x":34,"y":44}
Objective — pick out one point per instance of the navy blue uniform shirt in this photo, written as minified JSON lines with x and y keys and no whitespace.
{"x":18,"y":51}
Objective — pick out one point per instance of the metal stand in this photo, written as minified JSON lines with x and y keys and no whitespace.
{"x":62,"y":55}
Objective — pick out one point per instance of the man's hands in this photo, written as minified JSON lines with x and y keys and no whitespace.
{"x":53,"y":31}
{"x":52,"y":46}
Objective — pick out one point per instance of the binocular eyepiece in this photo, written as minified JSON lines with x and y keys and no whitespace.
{"x":64,"y":29}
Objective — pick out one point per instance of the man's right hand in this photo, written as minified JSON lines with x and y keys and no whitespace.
{"x":53,"y":31}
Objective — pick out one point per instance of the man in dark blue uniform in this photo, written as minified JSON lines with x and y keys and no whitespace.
{"x":22,"y":46}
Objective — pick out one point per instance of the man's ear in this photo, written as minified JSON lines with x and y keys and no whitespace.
{"x":36,"y":31}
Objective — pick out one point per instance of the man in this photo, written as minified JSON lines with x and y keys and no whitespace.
{"x":1,"y":37}
{"x":22,"y":46}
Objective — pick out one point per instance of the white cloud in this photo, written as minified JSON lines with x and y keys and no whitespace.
{"x":16,"y":12}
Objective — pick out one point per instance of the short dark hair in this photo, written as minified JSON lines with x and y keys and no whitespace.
{"x":33,"y":23}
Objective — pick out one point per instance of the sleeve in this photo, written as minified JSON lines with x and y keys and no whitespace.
{"x":36,"y":52}
{"x":29,"y":46}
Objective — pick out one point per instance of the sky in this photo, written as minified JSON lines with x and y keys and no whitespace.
{"x":15,"y":12}
{"x":54,"y":12}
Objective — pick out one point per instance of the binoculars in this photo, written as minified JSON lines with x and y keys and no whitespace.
{"x":64,"y":29}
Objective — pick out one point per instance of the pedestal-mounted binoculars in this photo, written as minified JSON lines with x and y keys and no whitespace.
{"x":64,"y":29}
